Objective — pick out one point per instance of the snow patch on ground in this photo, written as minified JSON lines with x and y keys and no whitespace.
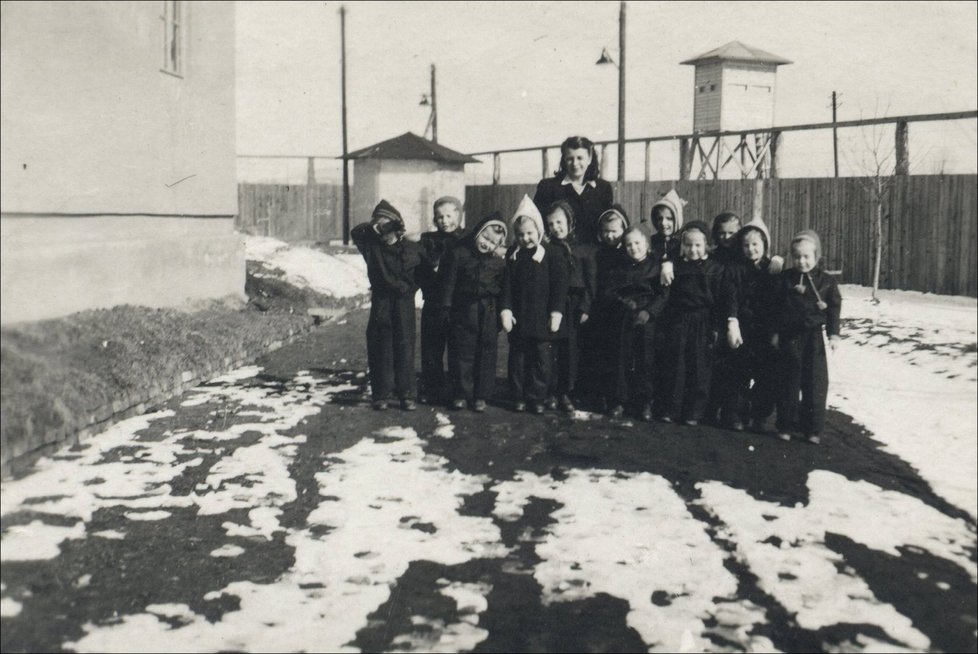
{"x":659,"y":550}
{"x":906,"y":372}
{"x":336,"y":275}
{"x":785,"y":547}
{"x":10,"y":608}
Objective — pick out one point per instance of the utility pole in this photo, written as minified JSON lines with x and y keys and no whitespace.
{"x":835,"y":138}
{"x":346,"y":168}
{"x":621,"y":93}
{"x":434,"y":107}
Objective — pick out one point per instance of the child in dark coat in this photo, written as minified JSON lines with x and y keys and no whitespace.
{"x":470,"y":287}
{"x":532,"y":305}
{"x":637,"y":299}
{"x":696,"y":305}
{"x":749,"y":386}
{"x":596,"y":376}
{"x":392,"y":264}
{"x":809,"y":305}
{"x":666,"y":218}
{"x":581,"y":288}
{"x":434,"y":317}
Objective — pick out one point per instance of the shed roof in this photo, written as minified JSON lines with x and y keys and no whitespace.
{"x":411,"y":146}
{"x":737,"y":51}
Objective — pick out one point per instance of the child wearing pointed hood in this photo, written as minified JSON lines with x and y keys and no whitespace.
{"x":581,"y":288}
{"x":447,"y":216}
{"x":392,"y":266}
{"x":747,"y":387}
{"x":809,"y":305}
{"x":666,"y":218}
{"x":597,"y":349}
{"x":698,"y":304}
{"x":469,"y":289}
{"x":532,"y":307}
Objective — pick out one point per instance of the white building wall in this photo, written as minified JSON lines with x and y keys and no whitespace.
{"x":707,"y":102}
{"x":410,"y":185}
{"x":748,"y":96}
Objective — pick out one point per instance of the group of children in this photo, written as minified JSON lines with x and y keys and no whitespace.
{"x":666,"y":319}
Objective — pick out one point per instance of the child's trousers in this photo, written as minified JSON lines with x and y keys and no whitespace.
{"x":755,"y":361}
{"x":803,"y":370}
{"x":390,"y":346}
{"x":530,"y":368}
{"x":567,"y":351}
{"x":690,"y":347}
{"x":435,"y":327}
{"x":635,"y":365}
{"x":472,"y":347}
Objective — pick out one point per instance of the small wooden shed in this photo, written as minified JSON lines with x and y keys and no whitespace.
{"x":734,"y":88}
{"x":410,"y":172}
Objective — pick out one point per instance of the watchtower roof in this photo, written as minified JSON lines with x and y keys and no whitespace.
{"x":737,"y":51}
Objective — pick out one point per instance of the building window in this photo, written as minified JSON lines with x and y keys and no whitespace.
{"x":762,"y":89}
{"x":172,"y":19}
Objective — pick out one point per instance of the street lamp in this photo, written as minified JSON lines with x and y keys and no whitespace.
{"x":433,"y":103}
{"x":606,"y":59}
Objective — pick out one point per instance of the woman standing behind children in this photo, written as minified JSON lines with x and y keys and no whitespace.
{"x":696,"y":304}
{"x":470,"y":287}
{"x":581,"y":288}
{"x":637,"y":299}
{"x":809,"y":305}
{"x":533,"y":301}
{"x":577,"y":182}
{"x":391,"y":266}
{"x":434,"y":317}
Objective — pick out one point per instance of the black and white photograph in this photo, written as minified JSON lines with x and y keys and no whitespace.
{"x":545,"y":326}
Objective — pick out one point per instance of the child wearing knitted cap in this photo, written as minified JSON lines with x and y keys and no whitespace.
{"x":434,"y":317}
{"x":747,"y":388}
{"x":697,"y":304}
{"x":392,"y":265}
{"x":533,"y":300}
{"x":469,"y":289}
{"x":809,"y":304}
{"x":581,"y":288}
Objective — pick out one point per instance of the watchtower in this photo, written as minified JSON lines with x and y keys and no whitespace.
{"x":734,"y":90}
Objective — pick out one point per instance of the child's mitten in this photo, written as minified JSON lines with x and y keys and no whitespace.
{"x":584,"y":318}
{"x":775,"y":341}
{"x":834,"y":342}
{"x":667,"y":273}
{"x":555,"y":318}
{"x":630,"y":304}
{"x":506,"y":317}
{"x":642,"y":317}
{"x":734,"y":338}
{"x":776,"y":265}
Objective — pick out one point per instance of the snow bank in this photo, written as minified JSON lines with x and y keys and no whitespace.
{"x":336,"y":275}
{"x":906,"y":370}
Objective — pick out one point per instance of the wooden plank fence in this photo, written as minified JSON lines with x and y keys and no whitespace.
{"x":291,"y":212}
{"x":930,"y":222}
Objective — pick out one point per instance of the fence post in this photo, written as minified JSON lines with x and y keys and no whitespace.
{"x":685,"y":161}
{"x":602,"y":161}
{"x":495,"y":168}
{"x":902,"y":148}
{"x":648,"y":160}
{"x":757,"y":211}
{"x":775,"y":139}
{"x":545,"y":159}
{"x":310,"y":198}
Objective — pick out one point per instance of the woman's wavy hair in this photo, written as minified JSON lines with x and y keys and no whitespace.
{"x":593,"y":171}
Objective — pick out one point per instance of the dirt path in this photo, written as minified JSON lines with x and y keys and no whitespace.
{"x":273,"y":510}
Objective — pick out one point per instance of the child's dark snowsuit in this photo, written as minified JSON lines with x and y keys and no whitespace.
{"x":694,"y":311}
{"x":801,"y":344}
{"x":635,"y":294}
{"x":434,"y":317}
{"x":535,"y":286}
{"x":581,"y":288}
{"x":598,"y":349}
{"x":390,"y":329}
{"x":470,"y":287}
{"x":753,"y":291}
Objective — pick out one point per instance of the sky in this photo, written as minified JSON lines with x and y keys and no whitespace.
{"x":519,"y":74}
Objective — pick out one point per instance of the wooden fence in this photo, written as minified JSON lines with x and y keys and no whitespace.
{"x":930,"y":222}
{"x":291,"y":212}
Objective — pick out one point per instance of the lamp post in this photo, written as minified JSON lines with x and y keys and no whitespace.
{"x":346,"y":167}
{"x":433,"y":116}
{"x":606,"y":59}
